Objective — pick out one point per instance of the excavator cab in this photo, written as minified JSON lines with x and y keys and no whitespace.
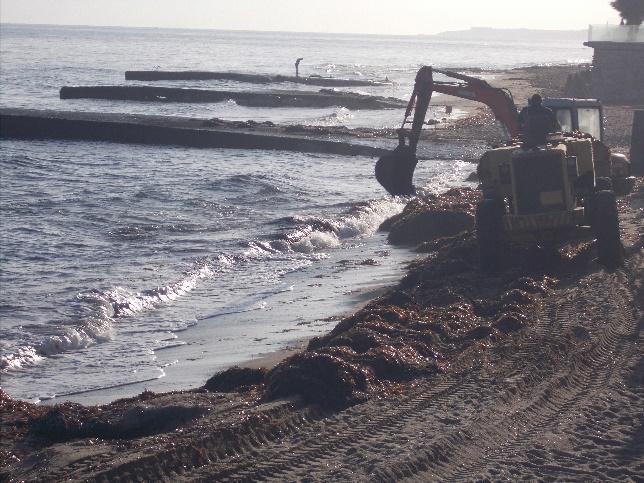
{"x":584,"y":115}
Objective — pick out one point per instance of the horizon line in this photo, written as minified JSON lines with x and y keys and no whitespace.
{"x":285,"y":31}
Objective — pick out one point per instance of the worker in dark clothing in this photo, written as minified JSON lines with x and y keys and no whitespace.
{"x":536,"y":122}
{"x":297,"y":66}
{"x":523,"y":116}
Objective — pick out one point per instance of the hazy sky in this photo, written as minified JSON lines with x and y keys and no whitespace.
{"x":364,"y":16}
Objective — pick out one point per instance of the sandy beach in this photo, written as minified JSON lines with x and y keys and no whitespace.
{"x":535,"y":372}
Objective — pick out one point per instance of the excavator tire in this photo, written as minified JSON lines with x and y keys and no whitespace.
{"x":395,"y":171}
{"x":610,"y":251}
{"x":490,"y":233}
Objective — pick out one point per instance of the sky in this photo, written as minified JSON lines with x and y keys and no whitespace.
{"x":351,"y":16}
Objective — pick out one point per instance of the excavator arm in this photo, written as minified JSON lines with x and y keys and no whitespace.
{"x":395,"y":170}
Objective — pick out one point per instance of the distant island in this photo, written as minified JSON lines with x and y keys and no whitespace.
{"x":522,"y":34}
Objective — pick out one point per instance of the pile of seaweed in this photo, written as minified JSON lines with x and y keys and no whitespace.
{"x":442,"y":308}
{"x":359,"y":132}
{"x":15,"y":420}
{"x":305,"y":129}
{"x":431,"y":216}
{"x":70,"y":421}
{"x":25,"y":426}
{"x":250,"y":124}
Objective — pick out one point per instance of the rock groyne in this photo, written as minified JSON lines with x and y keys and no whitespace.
{"x":162,"y":130}
{"x":324,"y":98}
{"x":159,"y":75}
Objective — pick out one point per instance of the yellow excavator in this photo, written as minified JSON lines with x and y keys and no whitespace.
{"x":531,"y":194}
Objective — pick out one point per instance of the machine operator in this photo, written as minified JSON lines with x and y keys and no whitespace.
{"x":536,"y":122}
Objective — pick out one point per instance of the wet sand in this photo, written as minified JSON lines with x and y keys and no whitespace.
{"x":534,"y":372}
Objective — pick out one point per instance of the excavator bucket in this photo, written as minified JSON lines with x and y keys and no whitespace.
{"x":395,"y":171}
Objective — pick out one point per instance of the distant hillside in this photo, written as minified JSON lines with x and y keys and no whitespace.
{"x":513,"y":35}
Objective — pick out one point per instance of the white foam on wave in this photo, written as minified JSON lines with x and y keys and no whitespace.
{"x":340,"y":116}
{"x":108,"y":306}
{"x":24,"y":356}
{"x":316,"y":241}
{"x":365,"y":220}
{"x":74,"y":338}
{"x":361,"y":221}
{"x":443,"y":180}
{"x":314,"y":235}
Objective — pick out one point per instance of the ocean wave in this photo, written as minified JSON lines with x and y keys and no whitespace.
{"x":105,"y":308}
{"x":307,"y":235}
{"x":259,"y":184}
{"x":313,"y":234}
{"x":22,"y":357}
{"x":316,"y":241}
{"x":340,"y":116}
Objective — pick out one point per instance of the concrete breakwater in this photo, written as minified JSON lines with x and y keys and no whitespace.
{"x":162,"y":130}
{"x":158,"y":75}
{"x":251,"y":99}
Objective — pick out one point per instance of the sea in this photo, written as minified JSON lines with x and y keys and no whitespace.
{"x":132,"y":267}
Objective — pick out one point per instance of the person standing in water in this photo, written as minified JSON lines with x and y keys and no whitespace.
{"x":297,"y":67}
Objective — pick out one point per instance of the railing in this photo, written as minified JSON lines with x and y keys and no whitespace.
{"x":616,"y":33}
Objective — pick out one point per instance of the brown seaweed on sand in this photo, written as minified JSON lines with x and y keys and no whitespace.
{"x":321,"y":378}
{"x":238,"y":379}
{"x":443,"y":307}
{"x":429,"y":217}
{"x":70,"y":421}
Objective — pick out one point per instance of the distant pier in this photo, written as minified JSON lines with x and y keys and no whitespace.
{"x":251,"y":99}
{"x":159,"y":75}
{"x":164,"y":130}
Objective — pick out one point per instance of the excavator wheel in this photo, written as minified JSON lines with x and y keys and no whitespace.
{"x":610,"y":250}
{"x":490,"y":233}
{"x":395,"y":171}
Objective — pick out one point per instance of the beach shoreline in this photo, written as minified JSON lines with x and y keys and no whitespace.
{"x":488,"y":386}
{"x":567,"y":328}
{"x":476,"y":127}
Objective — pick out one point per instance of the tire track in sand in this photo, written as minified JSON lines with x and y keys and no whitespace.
{"x":567,"y":393}
{"x":558,"y":389}
{"x":381,"y":440}
{"x":340,"y":433}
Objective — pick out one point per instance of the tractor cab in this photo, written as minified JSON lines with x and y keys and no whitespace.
{"x":587,"y":116}
{"x":583,"y":115}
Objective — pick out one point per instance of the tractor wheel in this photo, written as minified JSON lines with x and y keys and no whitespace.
{"x":606,"y":227}
{"x":490,"y":233}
